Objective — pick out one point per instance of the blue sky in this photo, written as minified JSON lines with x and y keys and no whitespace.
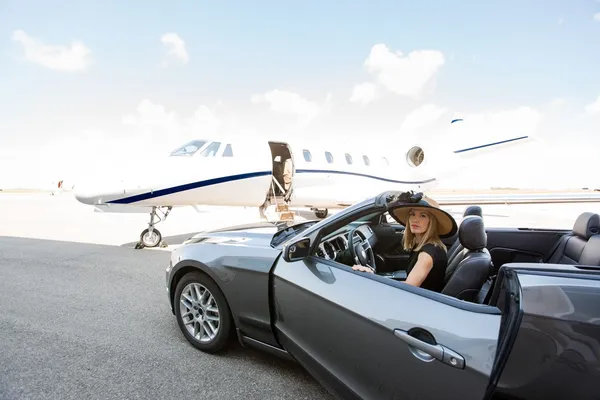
{"x":499,"y":55}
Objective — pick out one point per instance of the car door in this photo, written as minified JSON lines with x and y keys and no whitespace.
{"x":365,"y":336}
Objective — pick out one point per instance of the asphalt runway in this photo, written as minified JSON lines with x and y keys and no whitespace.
{"x":89,"y":321}
{"x":83,"y":315}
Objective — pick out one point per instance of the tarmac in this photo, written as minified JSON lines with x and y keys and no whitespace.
{"x":85,"y":315}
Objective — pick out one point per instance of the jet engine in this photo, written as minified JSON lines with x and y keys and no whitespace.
{"x":415,"y":156}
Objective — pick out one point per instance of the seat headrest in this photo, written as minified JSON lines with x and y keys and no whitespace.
{"x":473,"y":210}
{"x":586,"y":225}
{"x":591,"y":252}
{"x":471,"y":233}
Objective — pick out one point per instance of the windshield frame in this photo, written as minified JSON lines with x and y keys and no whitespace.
{"x":178,"y":152}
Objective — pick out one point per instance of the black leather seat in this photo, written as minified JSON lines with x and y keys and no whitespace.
{"x":456,"y":246}
{"x":582,"y":246}
{"x":471,"y":266}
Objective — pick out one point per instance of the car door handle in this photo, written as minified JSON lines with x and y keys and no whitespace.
{"x":428,"y":352}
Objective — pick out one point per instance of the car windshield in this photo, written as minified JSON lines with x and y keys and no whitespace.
{"x":364,"y":218}
{"x":287,"y":233}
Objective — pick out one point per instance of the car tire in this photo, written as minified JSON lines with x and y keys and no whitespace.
{"x":202,"y":282}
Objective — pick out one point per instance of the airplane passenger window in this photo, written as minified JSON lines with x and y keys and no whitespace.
{"x":348,"y":158}
{"x":329,"y":157}
{"x":228,"y":152}
{"x":366,"y":160}
{"x":189,"y":148}
{"x":211,"y":150}
{"x":307,"y":155}
{"x":385,"y":161}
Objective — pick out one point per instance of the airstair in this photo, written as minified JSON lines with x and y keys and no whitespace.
{"x":281,"y":210}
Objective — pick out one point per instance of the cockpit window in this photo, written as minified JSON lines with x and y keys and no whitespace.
{"x":228,"y":152}
{"x":189,"y":149}
{"x":211,"y":150}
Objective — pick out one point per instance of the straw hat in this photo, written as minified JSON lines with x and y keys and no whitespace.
{"x":447,"y":226}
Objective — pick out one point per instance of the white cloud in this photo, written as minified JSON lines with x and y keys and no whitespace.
{"x":175,"y":47}
{"x":363,"y":93}
{"x":153,"y":121}
{"x":286,"y":102}
{"x":593,"y":107}
{"x":75,"y":57}
{"x":421,"y":117}
{"x":404,"y":75}
{"x":153,"y":116}
{"x":204,"y":120}
{"x":597,"y":17}
{"x":558,"y":102}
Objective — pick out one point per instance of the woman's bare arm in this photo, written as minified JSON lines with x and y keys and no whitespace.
{"x":421,"y":269}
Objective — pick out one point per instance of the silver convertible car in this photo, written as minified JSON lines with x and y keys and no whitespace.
{"x":518,"y":317}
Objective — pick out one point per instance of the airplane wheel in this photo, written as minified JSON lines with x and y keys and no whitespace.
{"x":150,"y":240}
{"x":321,"y":213}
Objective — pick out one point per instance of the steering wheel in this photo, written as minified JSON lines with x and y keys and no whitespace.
{"x":360,"y":249}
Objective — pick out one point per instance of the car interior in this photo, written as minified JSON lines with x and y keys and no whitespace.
{"x":475,"y":253}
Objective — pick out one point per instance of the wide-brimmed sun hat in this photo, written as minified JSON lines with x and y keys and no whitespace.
{"x":447,"y":226}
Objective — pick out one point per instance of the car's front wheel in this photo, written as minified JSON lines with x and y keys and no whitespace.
{"x":202,"y":312}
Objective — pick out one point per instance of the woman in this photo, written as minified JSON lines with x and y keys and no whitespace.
{"x":427,"y":223}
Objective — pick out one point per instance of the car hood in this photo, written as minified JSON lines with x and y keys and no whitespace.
{"x":254,"y":234}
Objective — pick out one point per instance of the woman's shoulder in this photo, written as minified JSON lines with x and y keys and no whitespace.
{"x":435,"y":251}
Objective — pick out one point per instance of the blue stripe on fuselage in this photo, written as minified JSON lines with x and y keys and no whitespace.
{"x":231,"y":178}
{"x":187,"y":186}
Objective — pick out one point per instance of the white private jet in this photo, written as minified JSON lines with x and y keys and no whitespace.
{"x":249,"y":172}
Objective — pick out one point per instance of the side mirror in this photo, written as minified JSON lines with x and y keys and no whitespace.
{"x":297,"y":250}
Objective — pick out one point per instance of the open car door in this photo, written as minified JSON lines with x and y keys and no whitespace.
{"x":368,"y":337}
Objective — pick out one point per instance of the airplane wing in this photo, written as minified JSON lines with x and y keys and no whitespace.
{"x":484,"y":139}
{"x":464,"y":155}
{"x":516,"y":198}
{"x":497,"y":144}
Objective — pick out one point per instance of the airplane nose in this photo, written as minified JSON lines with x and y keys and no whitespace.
{"x":84,"y":195}
{"x":100,"y":191}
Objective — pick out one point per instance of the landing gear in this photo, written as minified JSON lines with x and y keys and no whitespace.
{"x":263,"y":207}
{"x":321,"y":213}
{"x":151,"y":237}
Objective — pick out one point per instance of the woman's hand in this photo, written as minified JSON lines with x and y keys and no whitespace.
{"x":362,"y":268}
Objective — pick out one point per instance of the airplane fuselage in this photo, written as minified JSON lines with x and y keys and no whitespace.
{"x":254,"y":172}
{"x":244,"y":173}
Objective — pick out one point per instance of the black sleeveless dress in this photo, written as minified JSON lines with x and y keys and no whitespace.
{"x":435,"y":278}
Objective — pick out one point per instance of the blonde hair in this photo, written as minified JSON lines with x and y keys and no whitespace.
{"x":431,"y":235}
